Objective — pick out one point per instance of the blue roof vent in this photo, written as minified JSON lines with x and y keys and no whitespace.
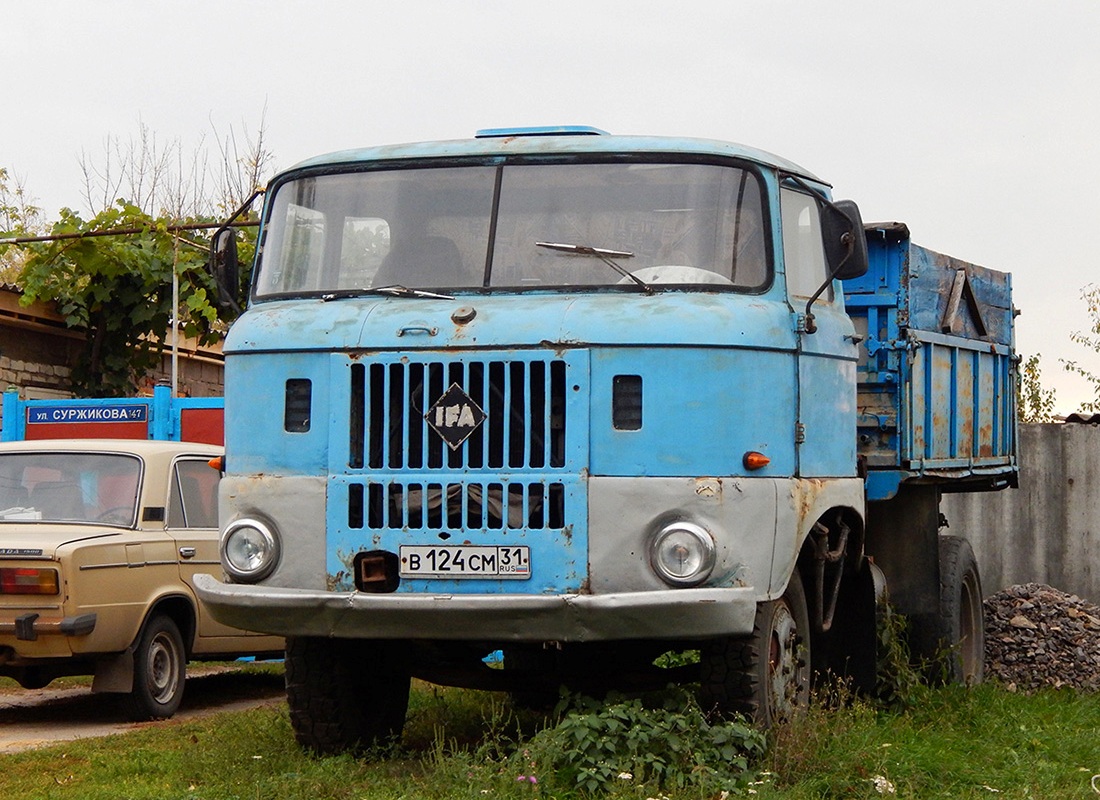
{"x":544,"y":130}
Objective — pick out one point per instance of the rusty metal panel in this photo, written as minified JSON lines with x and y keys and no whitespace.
{"x":937,"y":371}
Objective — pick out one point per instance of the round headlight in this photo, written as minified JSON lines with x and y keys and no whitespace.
{"x":250,"y":550}
{"x":682,"y":554}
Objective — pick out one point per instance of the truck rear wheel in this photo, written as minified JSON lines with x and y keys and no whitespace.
{"x":962,"y":620}
{"x":346,"y":695}
{"x":765,"y":676}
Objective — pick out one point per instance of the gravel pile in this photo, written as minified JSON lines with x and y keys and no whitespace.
{"x":1036,"y":636}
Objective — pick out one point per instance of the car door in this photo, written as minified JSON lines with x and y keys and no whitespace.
{"x":193,"y":523}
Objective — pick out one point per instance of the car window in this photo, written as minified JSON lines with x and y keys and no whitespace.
{"x":69,"y":487}
{"x":194,"y":498}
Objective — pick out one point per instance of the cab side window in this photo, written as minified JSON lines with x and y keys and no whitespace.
{"x":194,"y":497}
{"x":803,"y":248}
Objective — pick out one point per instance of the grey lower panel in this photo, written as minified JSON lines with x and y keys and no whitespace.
{"x":669,"y":614}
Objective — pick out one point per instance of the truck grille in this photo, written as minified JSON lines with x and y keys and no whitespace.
{"x":433,"y":484}
{"x":466,"y":505}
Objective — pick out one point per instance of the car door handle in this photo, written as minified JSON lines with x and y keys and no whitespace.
{"x":187,"y":552}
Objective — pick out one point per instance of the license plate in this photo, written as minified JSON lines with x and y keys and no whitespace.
{"x":466,"y":561}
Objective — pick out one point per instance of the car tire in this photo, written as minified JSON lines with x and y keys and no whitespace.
{"x":160,"y":669}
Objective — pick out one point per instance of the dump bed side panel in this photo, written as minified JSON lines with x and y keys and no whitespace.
{"x":937,"y":371}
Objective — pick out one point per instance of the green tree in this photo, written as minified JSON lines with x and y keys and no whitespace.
{"x":19,"y":216}
{"x":1090,"y":339}
{"x":1035,"y":404}
{"x":118,"y":290}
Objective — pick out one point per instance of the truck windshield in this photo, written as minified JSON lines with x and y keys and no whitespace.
{"x":479,"y":227}
{"x":69,"y":487}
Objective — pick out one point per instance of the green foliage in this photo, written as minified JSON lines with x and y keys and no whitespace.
{"x":18,"y":217}
{"x":1035,"y":404}
{"x":1090,"y":339}
{"x":898,"y":682}
{"x":597,"y":747}
{"x":118,"y":289}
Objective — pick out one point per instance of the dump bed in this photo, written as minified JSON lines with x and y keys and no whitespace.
{"x":937,"y":370}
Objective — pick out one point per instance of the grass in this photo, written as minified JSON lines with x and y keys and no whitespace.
{"x":984,"y":742}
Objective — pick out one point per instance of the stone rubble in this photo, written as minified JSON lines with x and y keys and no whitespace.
{"x":1037,"y":636}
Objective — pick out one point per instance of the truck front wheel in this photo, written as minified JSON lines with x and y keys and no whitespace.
{"x":961,"y":621}
{"x":765,"y":676}
{"x":346,"y":695}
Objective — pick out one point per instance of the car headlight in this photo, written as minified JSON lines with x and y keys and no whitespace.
{"x":249,"y":550}
{"x":682,"y":554}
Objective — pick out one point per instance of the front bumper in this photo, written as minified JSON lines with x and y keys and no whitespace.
{"x":663,"y":614}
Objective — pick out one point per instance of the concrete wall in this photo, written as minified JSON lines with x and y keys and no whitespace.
{"x":1048,"y":530}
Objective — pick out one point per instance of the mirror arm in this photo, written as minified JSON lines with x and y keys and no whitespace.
{"x":247,"y":204}
{"x":811,"y":326}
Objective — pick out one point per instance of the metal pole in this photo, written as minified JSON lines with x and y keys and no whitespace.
{"x":175,"y":317}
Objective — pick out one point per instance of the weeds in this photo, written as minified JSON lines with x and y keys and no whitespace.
{"x":899,"y":684}
{"x":668,"y":745}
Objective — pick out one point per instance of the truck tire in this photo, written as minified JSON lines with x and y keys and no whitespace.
{"x":160,"y":669}
{"x":533,"y":662}
{"x":962,"y":620}
{"x":345,"y":695}
{"x":765,"y":676}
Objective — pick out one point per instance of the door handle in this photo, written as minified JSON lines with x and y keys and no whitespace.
{"x":187,"y":552}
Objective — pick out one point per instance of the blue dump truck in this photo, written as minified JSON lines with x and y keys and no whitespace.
{"x":584,"y":400}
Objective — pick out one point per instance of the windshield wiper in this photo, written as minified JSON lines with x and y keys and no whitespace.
{"x":391,"y":291}
{"x":603,"y":254}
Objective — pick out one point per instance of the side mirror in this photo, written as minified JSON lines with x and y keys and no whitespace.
{"x":845,"y":242}
{"x":225,"y":267}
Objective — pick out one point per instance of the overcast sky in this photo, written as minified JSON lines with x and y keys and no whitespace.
{"x":976,"y":123}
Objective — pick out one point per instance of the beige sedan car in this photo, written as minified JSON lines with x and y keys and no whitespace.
{"x":99,"y":540}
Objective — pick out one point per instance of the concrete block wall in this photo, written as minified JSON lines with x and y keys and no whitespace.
{"x":1048,"y":530}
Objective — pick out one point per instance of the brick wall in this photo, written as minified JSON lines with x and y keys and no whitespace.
{"x":37,"y":353}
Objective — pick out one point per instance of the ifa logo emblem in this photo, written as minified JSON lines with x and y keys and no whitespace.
{"x":455,"y":416}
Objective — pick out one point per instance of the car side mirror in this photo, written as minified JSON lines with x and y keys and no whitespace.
{"x":845,"y":242}
{"x":225,"y":267}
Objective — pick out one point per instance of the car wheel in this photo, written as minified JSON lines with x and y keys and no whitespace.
{"x":160,"y":668}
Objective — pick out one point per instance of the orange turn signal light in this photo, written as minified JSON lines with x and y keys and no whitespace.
{"x":755,"y":460}
{"x":217,"y":463}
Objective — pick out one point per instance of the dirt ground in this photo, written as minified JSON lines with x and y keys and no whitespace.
{"x":32,"y":718}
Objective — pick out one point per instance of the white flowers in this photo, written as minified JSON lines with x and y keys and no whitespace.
{"x":883,"y":785}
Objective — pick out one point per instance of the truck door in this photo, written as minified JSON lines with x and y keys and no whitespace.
{"x":825,"y":432}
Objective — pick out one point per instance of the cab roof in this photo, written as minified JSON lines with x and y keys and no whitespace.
{"x":502,"y":142}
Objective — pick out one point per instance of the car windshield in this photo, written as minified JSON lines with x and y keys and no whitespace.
{"x":69,"y":487}
{"x":527,"y":226}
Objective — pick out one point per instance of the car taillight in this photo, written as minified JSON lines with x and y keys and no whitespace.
{"x":27,"y":580}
